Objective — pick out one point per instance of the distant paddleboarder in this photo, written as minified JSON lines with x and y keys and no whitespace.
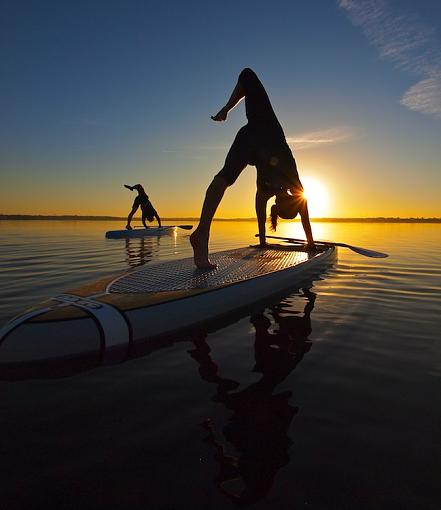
{"x":142,"y":200}
{"x":260,"y":143}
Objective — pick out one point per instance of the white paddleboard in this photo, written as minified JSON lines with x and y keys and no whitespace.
{"x":108,"y":320}
{"x":143,"y":232}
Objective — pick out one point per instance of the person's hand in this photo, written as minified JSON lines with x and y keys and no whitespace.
{"x":220,"y":116}
{"x":128,"y":187}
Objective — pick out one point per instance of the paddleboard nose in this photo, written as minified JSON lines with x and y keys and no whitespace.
{"x":67,"y":331}
{"x":31,"y":344}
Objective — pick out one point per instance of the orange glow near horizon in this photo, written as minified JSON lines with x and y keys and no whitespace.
{"x":333,"y":189}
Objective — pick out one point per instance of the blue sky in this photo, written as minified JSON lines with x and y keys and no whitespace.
{"x":96,"y":94}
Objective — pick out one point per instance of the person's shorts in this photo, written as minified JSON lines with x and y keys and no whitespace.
{"x":276,"y":167}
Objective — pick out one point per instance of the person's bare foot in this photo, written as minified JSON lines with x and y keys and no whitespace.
{"x":128,"y":227}
{"x":221,"y":116}
{"x":200,"y":251}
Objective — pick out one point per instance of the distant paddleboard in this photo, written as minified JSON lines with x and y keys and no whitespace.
{"x":143,"y":232}
{"x":119,"y":317}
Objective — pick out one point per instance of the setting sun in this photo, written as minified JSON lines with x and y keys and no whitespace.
{"x":317,"y":196}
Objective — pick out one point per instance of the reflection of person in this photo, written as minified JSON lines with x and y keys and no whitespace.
{"x":147,"y":209}
{"x":139,"y":250}
{"x":260,"y":143}
{"x":259,"y":424}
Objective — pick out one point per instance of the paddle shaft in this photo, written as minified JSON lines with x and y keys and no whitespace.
{"x":185,"y":227}
{"x":356,"y":249}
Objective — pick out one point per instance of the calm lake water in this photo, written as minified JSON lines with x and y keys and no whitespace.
{"x":327,"y":399}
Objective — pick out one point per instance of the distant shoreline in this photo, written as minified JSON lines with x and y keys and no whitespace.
{"x":69,"y":217}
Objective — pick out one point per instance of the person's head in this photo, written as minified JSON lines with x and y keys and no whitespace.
{"x":287,"y":206}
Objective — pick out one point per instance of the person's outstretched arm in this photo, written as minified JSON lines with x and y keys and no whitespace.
{"x":304,"y":214}
{"x":236,"y":96}
{"x":158,"y":219}
{"x":261,"y":201}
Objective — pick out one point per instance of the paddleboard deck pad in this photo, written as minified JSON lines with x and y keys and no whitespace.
{"x":143,"y":232}
{"x":106,"y":321}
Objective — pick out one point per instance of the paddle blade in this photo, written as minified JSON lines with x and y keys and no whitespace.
{"x":366,"y":252}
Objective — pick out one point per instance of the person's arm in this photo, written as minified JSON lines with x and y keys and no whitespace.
{"x":307,"y":225}
{"x":261,"y":201}
{"x":237,"y":94}
{"x":158,"y":219}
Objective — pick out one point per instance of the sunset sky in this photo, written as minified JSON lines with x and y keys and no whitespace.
{"x":95,"y":94}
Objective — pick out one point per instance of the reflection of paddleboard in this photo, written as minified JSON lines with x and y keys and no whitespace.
{"x":110,"y":320}
{"x":142,"y":232}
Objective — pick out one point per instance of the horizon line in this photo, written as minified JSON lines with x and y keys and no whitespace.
{"x":88,"y":217}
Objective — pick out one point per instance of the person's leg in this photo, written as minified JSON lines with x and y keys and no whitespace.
{"x":236,"y":160}
{"x":237,"y":94}
{"x":130,"y":216}
{"x":199,"y":238}
{"x":257,"y":104}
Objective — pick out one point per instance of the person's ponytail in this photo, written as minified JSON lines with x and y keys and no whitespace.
{"x":273,"y":217}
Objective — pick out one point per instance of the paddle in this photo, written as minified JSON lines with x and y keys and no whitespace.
{"x":185,"y":227}
{"x":361,"y":251}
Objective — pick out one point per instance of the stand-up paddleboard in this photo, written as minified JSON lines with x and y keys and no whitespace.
{"x":143,"y":232}
{"x":110,"y":320}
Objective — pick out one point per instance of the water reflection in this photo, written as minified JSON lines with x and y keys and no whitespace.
{"x":258,"y":426}
{"x":139,"y":251}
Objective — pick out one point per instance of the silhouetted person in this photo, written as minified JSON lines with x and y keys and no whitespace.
{"x":142,"y":200}
{"x":260,"y":143}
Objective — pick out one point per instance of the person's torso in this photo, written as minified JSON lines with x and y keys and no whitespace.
{"x":143,"y":200}
{"x":276,"y":169}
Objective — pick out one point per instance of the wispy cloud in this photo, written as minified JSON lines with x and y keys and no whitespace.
{"x":402,"y":38}
{"x":316,"y":139}
{"x":425,"y":96}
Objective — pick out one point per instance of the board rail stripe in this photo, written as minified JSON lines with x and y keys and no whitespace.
{"x":17,"y":321}
{"x":114,"y":324}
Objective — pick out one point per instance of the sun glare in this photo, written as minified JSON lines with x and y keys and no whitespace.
{"x":317,"y":196}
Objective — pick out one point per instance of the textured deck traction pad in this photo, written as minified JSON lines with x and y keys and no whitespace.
{"x":232,"y":266}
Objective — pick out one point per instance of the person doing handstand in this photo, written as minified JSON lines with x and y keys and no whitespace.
{"x":142,"y":200}
{"x":260,"y":143}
